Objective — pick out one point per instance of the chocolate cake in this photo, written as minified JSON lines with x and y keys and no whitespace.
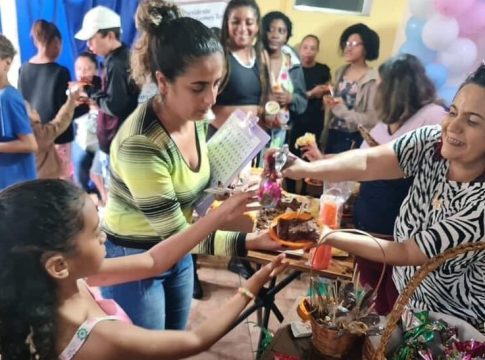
{"x":297,"y":229}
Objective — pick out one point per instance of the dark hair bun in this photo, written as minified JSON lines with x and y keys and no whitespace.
{"x":153,"y":15}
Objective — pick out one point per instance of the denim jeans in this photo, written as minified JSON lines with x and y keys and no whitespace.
{"x":82,"y":161}
{"x":157,"y":303}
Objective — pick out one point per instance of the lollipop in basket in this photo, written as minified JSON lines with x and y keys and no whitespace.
{"x":340,"y":313}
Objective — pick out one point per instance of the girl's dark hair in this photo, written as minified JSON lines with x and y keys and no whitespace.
{"x":38,"y":217}
{"x":168,"y":42}
{"x":258,"y":46}
{"x":44,"y":32}
{"x":403,"y":90}
{"x":90,"y":56}
{"x":370,"y":40}
{"x":269,"y":18}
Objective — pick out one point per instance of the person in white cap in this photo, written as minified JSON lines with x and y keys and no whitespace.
{"x":101,"y":28}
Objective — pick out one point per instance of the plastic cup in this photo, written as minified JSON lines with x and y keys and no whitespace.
{"x":330,"y":211}
{"x":283,"y":116}
{"x":320,"y":257}
{"x":271,"y":109}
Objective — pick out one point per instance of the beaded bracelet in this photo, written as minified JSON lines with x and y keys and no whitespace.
{"x":246,"y":293}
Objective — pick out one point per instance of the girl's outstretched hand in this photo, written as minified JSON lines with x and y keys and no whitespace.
{"x":270,"y":270}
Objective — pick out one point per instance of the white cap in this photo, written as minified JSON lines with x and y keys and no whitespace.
{"x":98,"y":18}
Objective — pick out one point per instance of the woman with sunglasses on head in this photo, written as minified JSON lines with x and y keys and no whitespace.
{"x":355,"y":85}
{"x":443,"y":209}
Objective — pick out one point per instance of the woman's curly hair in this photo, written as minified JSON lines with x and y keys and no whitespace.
{"x":37,"y":218}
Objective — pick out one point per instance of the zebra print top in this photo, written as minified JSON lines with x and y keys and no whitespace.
{"x":440,"y":214}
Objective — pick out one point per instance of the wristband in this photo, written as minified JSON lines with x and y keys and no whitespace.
{"x":246,"y":293}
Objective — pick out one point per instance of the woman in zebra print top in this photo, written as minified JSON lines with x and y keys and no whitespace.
{"x":443,"y":209}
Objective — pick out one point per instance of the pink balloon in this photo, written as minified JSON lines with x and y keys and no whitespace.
{"x":472,"y":21}
{"x":453,"y":7}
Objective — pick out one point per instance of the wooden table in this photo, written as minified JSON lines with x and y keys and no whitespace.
{"x":338,"y":268}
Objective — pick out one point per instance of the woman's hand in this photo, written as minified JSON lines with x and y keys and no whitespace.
{"x":270,"y":270}
{"x":262,"y":241}
{"x":283,"y":98}
{"x":318,"y":91}
{"x":330,"y":101}
{"x":295,"y":168}
{"x":311,"y":152}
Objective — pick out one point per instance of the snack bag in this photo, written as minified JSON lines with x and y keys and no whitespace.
{"x":305,"y":140}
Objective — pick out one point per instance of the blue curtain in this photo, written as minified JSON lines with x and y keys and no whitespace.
{"x":68,"y":16}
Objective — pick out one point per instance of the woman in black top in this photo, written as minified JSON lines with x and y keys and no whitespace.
{"x":245,"y":82}
{"x":316,"y":76}
{"x":43,"y":82}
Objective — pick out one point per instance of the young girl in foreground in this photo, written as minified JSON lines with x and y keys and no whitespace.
{"x":52,"y":251}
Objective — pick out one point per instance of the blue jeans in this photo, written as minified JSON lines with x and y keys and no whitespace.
{"x":82,"y":161}
{"x":157,"y":303}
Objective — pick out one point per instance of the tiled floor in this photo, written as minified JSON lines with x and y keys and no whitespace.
{"x":219,"y":285}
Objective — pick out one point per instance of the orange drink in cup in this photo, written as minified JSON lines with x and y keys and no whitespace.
{"x":330,"y":211}
{"x":320,"y":257}
{"x":330,"y":214}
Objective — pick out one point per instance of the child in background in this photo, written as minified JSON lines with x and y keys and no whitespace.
{"x":17,"y":144}
{"x":43,"y":83}
{"x":85,"y":142}
{"x":48,"y":162}
{"x":56,"y":252}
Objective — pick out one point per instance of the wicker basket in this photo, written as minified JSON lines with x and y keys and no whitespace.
{"x":369,"y":353}
{"x":329,"y":343}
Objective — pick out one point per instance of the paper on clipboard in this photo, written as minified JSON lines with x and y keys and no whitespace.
{"x":230,"y":149}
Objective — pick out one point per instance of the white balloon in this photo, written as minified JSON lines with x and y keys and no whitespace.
{"x":422,"y":8}
{"x":459,"y":57}
{"x":480,"y":42}
{"x":439,"y":32}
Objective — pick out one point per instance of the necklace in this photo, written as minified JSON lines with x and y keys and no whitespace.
{"x":437,"y":202}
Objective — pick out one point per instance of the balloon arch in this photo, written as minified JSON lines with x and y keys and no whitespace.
{"x":448,"y":36}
